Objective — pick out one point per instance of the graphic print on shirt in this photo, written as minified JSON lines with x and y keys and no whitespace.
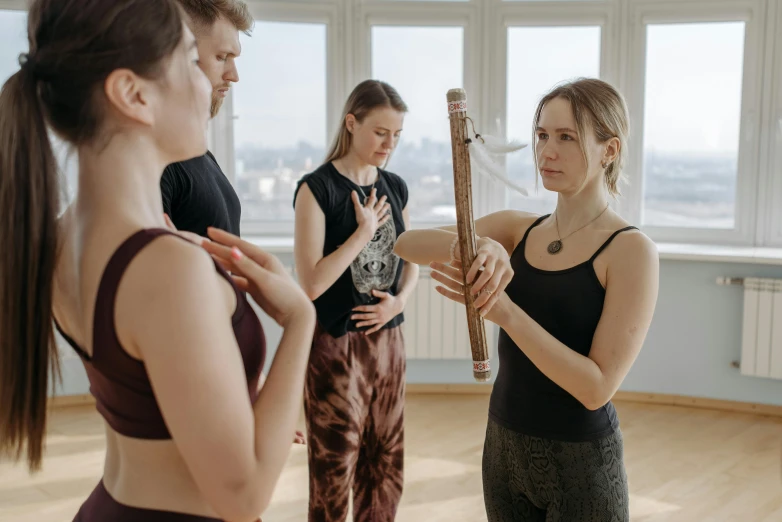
{"x":375,"y":267}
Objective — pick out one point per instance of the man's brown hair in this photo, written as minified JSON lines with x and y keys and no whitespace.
{"x":204,"y":13}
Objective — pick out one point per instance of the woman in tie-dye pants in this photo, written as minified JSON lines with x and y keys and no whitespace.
{"x":349,"y":212}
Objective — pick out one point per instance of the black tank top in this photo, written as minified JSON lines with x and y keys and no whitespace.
{"x":567,"y":304}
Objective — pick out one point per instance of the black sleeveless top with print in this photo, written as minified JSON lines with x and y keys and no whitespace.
{"x":376,"y":267}
{"x":567,"y":304}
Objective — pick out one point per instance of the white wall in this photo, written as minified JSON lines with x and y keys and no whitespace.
{"x":696,"y":335}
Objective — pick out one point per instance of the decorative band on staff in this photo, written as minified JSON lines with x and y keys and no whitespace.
{"x":481,"y":366}
{"x":457,"y":106}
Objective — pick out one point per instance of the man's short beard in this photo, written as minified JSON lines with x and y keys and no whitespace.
{"x":217,"y":102}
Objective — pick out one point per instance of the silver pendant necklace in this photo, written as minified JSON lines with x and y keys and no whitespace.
{"x":555,"y":247}
{"x":366,"y":198}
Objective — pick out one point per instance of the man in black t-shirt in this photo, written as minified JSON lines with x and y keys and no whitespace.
{"x":196,"y":193}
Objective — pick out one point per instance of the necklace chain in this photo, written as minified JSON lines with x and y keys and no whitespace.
{"x":555,"y":246}
{"x":366,"y":198}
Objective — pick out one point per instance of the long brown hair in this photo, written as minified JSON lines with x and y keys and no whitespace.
{"x":599,"y":107}
{"x":366,"y":97}
{"x":73,"y":46}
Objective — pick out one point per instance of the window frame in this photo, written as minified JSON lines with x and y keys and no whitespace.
{"x":222,"y":130}
{"x":13,"y":5}
{"x":623,"y":50}
{"x":543,"y":14}
{"x":770,"y":228}
{"x":644,"y":13}
{"x":428,"y":14}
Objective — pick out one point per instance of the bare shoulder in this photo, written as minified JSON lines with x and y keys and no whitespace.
{"x":632,"y":240}
{"x":167,"y":275}
{"x":516,"y":216}
{"x":633,"y":251}
{"x":524,"y":219}
{"x":513,"y":224}
{"x":168,"y":260}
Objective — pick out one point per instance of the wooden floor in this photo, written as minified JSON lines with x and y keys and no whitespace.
{"x":684,"y":465}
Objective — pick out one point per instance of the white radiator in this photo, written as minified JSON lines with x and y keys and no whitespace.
{"x":761,"y":339}
{"x":436,"y":327}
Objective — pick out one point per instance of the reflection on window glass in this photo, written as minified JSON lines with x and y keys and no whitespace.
{"x":280,"y":115}
{"x":538,"y":59}
{"x":402,"y":56}
{"x":692,"y":117}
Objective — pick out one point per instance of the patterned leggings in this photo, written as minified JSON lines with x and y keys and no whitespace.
{"x":539,"y":480}
{"x":354,"y":406}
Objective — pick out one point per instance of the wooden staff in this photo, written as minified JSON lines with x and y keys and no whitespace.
{"x":462,"y":186}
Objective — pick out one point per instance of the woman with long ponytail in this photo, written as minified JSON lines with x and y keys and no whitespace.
{"x":171,"y":346}
{"x":29,"y":197}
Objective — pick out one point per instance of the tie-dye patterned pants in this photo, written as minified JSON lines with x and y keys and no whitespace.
{"x":354,"y":407}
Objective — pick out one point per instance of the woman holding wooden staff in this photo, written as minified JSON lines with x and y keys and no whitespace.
{"x":349,"y":213}
{"x":574,"y":293}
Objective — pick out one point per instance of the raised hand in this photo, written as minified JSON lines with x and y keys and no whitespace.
{"x":492,"y":268}
{"x":373,"y":215}
{"x":450,"y":277}
{"x":261,"y":274}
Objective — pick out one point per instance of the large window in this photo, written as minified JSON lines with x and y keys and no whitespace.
{"x":694,"y":74}
{"x":538,"y":59}
{"x":701,"y":78}
{"x":279,"y":117}
{"x":692,"y":114}
{"x":403,"y":56}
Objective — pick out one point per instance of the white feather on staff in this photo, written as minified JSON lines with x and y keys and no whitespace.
{"x":482,"y":147}
{"x":499,"y":146}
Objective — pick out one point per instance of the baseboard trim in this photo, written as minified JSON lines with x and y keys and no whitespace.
{"x":445,"y":389}
{"x":620,"y":396}
{"x":68,"y":401}
{"x":700,"y":402}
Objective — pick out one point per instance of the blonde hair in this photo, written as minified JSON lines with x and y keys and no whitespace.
{"x":599,"y":107}
{"x":366,"y":97}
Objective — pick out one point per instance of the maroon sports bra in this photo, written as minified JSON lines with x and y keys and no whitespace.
{"x":119,"y":382}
